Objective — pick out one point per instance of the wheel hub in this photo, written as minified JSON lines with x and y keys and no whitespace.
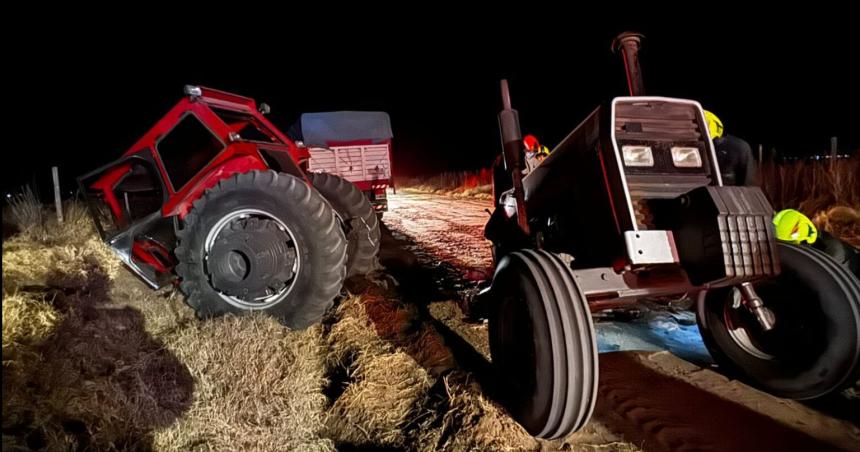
{"x":251,"y":259}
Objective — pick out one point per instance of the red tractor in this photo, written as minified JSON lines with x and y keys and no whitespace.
{"x":214,"y":198}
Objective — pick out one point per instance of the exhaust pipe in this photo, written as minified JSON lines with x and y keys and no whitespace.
{"x":629,"y":44}
{"x":512,"y":144}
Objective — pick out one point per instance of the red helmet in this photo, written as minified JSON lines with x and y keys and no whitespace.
{"x":531,"y":142}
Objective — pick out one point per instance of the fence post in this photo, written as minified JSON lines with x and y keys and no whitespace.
{"x":57,"y":200}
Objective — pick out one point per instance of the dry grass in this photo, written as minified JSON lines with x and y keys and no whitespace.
{"x":257,"y":386}
{"x":462,"y":184}
{"x":382,"y":386}
{"x":26,"y":212}
{"x":840,"y":221}
{"x":812,"y":186}
{"x":472,"y":422}
{"x":828,"y":191}
{"x":27,"y":320}
{"x":92,"y":359}
{"x":402,"y":389}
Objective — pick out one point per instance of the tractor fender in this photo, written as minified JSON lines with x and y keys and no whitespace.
{"x":180,"y":204}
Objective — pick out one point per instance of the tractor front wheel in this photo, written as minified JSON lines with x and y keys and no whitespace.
{"x":543,"y":344}
{"x":262,"y":241}
{"x":814,"y":347}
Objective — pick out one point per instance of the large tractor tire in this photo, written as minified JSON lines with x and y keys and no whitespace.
{"x":262,"y":241}
{"x":813,"y":349}
{"x":543,"y":344}
{"x":360,"y":221}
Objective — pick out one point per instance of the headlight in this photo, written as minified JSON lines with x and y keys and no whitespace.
{"x":686,"y":157}
{"x":637,"y":155}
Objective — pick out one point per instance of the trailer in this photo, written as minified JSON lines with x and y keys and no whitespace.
{"x":355,"y":145}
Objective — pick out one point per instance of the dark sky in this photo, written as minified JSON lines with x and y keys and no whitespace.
{"x":84,"y":92}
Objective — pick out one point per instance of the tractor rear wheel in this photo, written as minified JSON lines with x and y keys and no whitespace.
{"x":543,"y":344}
{"x":814,"y":347}
{"x":360,"y":221}
{"x":262,"y":241}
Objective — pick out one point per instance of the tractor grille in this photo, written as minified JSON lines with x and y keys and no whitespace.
{"x":662,"y":124}
{"x":656,"y":121}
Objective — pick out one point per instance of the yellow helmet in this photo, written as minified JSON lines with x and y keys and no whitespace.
{"x":794,"y":227}
{"x":715,"y":126}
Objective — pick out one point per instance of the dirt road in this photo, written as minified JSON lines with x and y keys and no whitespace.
{"x":652,"y":400}
{"x":446,"y":229}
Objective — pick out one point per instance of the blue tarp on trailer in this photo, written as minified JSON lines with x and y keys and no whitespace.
{"x":318,"y":129}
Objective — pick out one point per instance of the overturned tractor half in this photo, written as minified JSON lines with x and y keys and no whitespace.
{"x":630,"y":205}
{"x":215,"y":198}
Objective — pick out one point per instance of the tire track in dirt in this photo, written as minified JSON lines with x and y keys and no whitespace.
{"x":657,"y":407}
{"x":445,"y":229}
{"x":661,"y":411}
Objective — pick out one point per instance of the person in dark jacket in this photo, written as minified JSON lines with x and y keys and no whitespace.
{"x":734,"y":155}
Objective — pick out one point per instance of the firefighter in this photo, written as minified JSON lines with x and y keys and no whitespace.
{"x":542,"y":154}
{"x":794,"y":227}
{"x":734,"y":155}
{"x":535,"y":153}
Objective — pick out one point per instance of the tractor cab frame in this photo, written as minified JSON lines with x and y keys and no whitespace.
{"x":139,"y":201}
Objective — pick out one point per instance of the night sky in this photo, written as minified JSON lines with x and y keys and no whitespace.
{"x":86,"y":93}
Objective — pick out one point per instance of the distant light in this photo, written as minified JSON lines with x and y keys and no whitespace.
{"x":8,"y":195}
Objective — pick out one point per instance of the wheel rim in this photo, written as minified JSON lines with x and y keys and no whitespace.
{"x":251,"y":259}
{"x":797,"y":337}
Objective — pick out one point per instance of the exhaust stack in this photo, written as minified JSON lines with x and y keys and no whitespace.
{"x":629,"y":44}
{"x":512,"y":144}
